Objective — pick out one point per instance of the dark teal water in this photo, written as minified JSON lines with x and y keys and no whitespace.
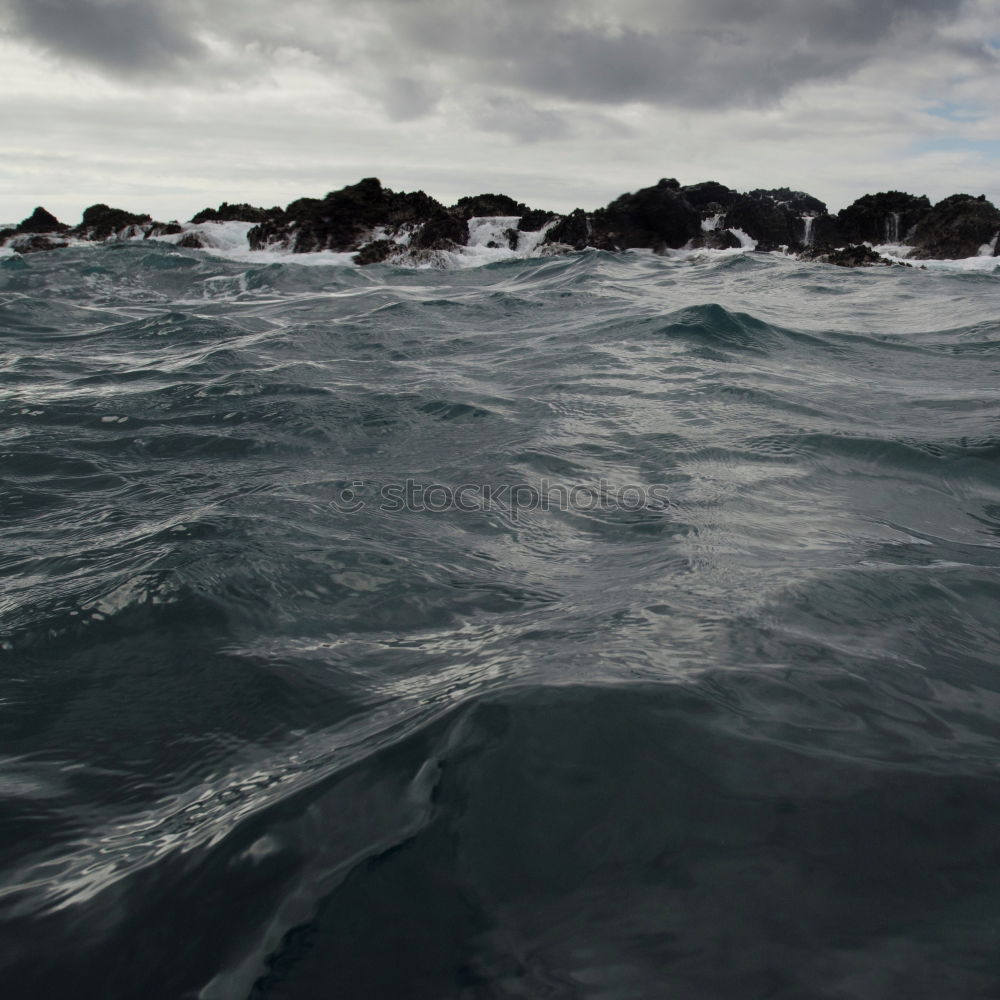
{"x":742,"y":742}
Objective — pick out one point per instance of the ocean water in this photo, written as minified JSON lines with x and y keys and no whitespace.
{"x":722,"y":723}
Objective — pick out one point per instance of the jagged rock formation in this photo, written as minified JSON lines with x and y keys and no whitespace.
{"x":959,"y":226}
{"x":236,"y":213}
{"x":101,"y":222}
{"x":36,"y":233}
{"x":476,"y":205}
{"x":344,"y":220}
{"x":535,"y":219}
{"x":484,"y":205}
{"x":572,"y":231}
{"x":710,"y":197}
{"x":36,"y":243}
{"x":376,"y":252}
{"x":765,"y":220}
{"x":825,"y":231}
{"x":41,"y":221}
{"x":779,"y":217}
{"x":657,"y":217}
{"x":887,"y":217}
{"x":797,"y":202}
{"x":849,"y":256}
{"x":377,"y":224}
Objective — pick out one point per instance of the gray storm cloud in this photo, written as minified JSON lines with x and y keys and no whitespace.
{"x":681,"y":53}
{"x":695,"y":53}
{"x":118,"y":36}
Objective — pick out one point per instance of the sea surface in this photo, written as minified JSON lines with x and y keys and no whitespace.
{"x":722,"y":723}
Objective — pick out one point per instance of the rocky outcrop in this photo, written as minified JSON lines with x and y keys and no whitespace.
{"x":710,"y":197}
{"x":344,"y":220}
{"x":887,"y":217}
{"x":530,"y":220}
{"x":40,"y":221}
{"x":442,"y":230}
{"x":571,"y":231}
{"x":377,"y":224}
{"x":850,"y":256}
{"x":376,"y":252}
{"x":478,"y":205}
{"x":656,"y":218}
{"x":824,"y":231}
{"x":101,"y":222}
{"x":765,"y":221}
{"x":158,"y":229}
{"x":535,"y":219}
{"x":798,"y":203}
{"x":36,"y":233}
{"x":36,"y":243}
{"x":236,"y":213}
{"x":959,"y":226}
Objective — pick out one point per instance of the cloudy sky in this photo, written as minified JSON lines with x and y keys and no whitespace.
{"x":167,"y":106}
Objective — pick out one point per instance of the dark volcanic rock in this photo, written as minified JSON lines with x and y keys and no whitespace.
{"x":191,"y":241}
{"x":442,"y":231}
{"x":162,"y":229}
{"x":533,"y":220}
{"x":709,"y":196}
{"x":344,"y":219}
{"x":887,"y":217}
{"x":478,"y":205}
{"x":572,"y":230}
{"x":236,"y":213}
{"x":40,"y":221}
{"x":850,"y":256}
{"x":826,"y":232}
{"x":956,"y":227}
{"x":656,"y":218}
{"x":797,"y":202}
{"x":101,"y":222}
{"x":764,"y":220}
{"x":36,"y":243}
{"x":376,"y":252}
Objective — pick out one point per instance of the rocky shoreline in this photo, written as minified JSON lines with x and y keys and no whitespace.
{"x":379,"y":225}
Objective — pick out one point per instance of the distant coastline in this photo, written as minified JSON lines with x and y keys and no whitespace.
{"x":377,"y":225}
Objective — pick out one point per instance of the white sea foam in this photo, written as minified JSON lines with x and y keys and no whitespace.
{"x":900,"y":254}
{"x":483,"y":231}
{"x":229,"y":240}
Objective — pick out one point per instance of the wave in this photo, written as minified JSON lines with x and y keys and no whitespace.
{"x":573,"y":839}
{"x":742,"y":740}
